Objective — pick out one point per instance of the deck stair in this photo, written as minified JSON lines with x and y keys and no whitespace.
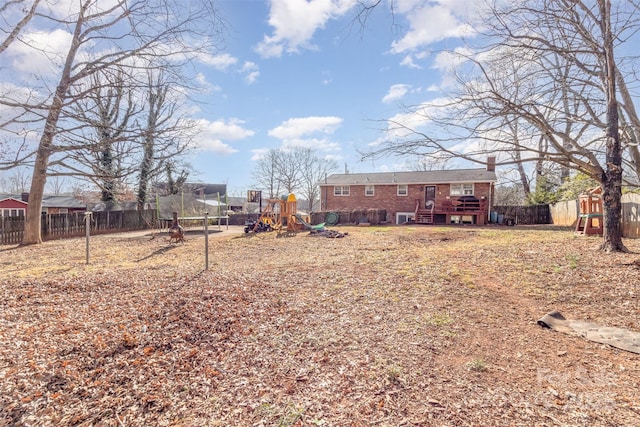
{"x":424,"y":215}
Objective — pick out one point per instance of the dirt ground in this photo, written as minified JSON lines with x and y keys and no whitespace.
{"x":388,"y":326}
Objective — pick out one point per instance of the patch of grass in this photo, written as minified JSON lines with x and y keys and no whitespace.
{"x":394,"y":372}
{"x":477,"y":365}
{"x":437,"y":319}
{"x":292,"y":414}
{"x":573,"y":261}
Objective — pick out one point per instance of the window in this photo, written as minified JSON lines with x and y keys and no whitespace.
{"x":461,"y":219}
{"x":404,"y":217}
{"x":13,"y":213}
{"x":341,"y":190}
{"x":402,"y":190}
{"x":462,"y":189}
{"x":369,"y":190}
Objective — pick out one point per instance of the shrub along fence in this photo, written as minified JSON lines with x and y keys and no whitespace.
{"x":355,"y":216}
{"x":60,"y":226}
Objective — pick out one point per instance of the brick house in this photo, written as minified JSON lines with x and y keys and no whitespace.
{"x":13,"y":205}
{"x":462,"y":196}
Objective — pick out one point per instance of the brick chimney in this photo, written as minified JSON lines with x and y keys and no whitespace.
{"x":491,"y":164}
{"x":25,"y":197}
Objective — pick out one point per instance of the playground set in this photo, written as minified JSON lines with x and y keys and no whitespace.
{"x":281,"y":216}
{"x":590,"y":216}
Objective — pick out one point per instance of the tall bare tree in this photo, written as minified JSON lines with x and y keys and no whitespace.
{"x":165,"y":138}
{"x":265,"y":174}
{"x":292,"y":170}
{"x":101,"y":146}
{"x":313,"y":169}
{"x":122,"y":33}
{"x":27,"y":10}
{"x":562,"y":91}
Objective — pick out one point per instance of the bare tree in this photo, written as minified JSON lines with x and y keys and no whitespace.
{"x":289,"y":168}
{"x":551,"y":66}
{"x":165,"y":137}
{"x":28,"y":14}
{"x":292,"y":170}
{"x":265,"y":174}
{"x":121,"y":34}
{"x":19,"y":181}
{"x":56,"y":185}
{"x":101,"y":146}
{"x":313,"y":169}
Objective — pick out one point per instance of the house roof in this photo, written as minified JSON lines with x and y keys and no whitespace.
{"x":4,"y":197}
{"x":68,"y":202}
{"x":415,"y":177}
{"x":62,"y":202}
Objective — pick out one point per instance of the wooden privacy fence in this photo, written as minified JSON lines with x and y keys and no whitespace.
{"x":566,"y":213}
{"x":525,"y":215}
{"x":60,"y":226}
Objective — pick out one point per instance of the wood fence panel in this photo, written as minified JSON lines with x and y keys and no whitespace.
{"x":631,"y":215}
{"x":525,"y":215}
{"x":565,"y":213}
{"x":62,"y":226}
{"x":11,"y":230}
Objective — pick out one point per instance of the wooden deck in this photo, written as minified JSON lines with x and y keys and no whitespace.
{"x":453,"y":211}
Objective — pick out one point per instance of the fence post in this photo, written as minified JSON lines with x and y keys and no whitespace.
{"x":87,"y":227}
{"x":206,"y":240}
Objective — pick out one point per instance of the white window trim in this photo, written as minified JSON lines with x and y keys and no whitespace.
{"x":342,"y":192}
{"x":369,"y":187}
{"x":6,"y":212}
{"x":462,"y":189}
{"x":406,"y":188}
{"x":407,"y":215}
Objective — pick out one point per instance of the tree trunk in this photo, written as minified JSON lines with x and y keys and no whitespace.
{"x":612,"y":176}
{"x":32,"y":229}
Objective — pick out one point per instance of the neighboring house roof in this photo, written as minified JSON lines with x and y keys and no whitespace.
{"x":236,"y":201}
{"x":4,"y":197}
{"x":118,"y":206}
{"x":416,"y":177}
{"x":213,"y":203}
{"x":68,"y":202}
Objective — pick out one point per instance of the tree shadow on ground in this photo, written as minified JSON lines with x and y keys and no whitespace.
{"x":157,"y":252}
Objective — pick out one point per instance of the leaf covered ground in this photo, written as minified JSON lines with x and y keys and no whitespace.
{"x":388,"y":326}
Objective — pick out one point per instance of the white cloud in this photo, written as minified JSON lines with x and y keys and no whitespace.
{"x":220,"y":62}
{"x":250,"y":69}
{"x":259,"y":153}
{"x":299,"y":127}
{"x":319,"y":144}
{"x":294,"y":23}
{"x":308,"y":132}
{"x":447,"y":63}
{"x":212,"y":135}
{"x":432,"y":22}
{"x":396,"y":92}
{"x":405,"y":125}
{"x":407,"y":61}
{"x":252,"y":77}
{"x":40,"y":52}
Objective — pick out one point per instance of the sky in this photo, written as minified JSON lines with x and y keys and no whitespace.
{"x":306,"y":73}
{"x":296,"y":73}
